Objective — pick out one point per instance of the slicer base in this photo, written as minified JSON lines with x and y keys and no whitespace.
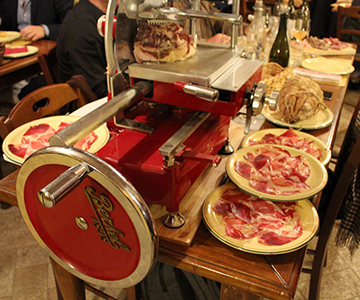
{"x":173,"y":220}
{"x":227,"y":149}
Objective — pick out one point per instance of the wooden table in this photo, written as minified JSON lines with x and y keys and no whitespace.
{"x":242,"y":275}
{"x":23,"y":68}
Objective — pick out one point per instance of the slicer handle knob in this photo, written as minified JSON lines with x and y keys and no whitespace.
{"x":198,"y":91}
{"x":258,"y":97}
{"x":272,"y":100}
{"x":62,"y":185}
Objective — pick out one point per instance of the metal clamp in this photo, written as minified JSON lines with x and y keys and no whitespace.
{"x":169,"y":148}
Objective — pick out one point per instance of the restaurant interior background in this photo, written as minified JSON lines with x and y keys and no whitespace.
{"x":26,"y":273}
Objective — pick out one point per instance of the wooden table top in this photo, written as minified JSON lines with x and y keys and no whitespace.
{"x":21,"y":68}
{"x":274,"y":277}
{"x":243,"y":275}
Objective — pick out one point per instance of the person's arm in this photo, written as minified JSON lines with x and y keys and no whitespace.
{"x":33,"y":32}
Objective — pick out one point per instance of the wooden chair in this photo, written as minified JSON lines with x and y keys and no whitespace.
{"x":48,"y":65}
{"x":347,"y":164}
{"x":42,"y":102}
{"x":342,"y":31}
{"x":45,"y":101}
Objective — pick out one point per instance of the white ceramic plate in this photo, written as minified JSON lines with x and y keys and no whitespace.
{"x":316,"y":181}
{"x":30,"y":51}
{"x":8,"y":36}
{"x":213,"y":221}
{"x":258,"y":135}
{"x":327,"y":65}
{"x":14,"y":137}
{"x":323,"y":118}
{"x":87,"y":108}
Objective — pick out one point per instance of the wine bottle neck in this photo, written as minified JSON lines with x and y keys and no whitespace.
{"x":283,"y":22}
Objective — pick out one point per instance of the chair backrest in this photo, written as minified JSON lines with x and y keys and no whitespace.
{"x":342,"y":28}
{"x":45,"y":101}
{"x":350,"y":139}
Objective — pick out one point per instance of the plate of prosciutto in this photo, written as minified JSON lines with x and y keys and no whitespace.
{"x":291,"y":138}
{"x":323,"y":118}
{"x":32,"y":136}
{"x":256,"y":225}
{"x":277,"y":173}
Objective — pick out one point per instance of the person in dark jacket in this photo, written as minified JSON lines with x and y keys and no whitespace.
{"x":35,"y":19}
{"x":80,"y":48}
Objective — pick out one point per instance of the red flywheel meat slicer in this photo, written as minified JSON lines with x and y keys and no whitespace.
{"x":168,"y":123}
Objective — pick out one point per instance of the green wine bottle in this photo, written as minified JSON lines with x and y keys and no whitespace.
{"x":279,"y":51}
{"x":277,"y":8}
{"x":305,"y":11}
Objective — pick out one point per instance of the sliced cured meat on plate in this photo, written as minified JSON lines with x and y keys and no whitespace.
{"x":277,"y":173}
{"x":32,"y":136}
{"x":258,"y":226}
{"x":291,"y":138}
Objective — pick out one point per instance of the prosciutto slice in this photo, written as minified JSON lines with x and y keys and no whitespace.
{"x":247,"y":217}
{"x":37,"y":137}
{"x":291,"y":139}
{"x":273,"y":170}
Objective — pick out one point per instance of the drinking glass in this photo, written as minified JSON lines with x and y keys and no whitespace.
{"x":301,"y":27}
{"x":300,"y":31}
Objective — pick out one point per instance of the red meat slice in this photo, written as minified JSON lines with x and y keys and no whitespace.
{"x":243,"y":169}
{"x":86,"y":142}
{"x":248,"y":217}
{"x":274,"y":171}
{"x":291,"y":139}
{"x":238,"y":229}
{"x":273,"y":238}
{"x":37,"y":129}
{"x":37,"y":137}
{"x":18,"y":150}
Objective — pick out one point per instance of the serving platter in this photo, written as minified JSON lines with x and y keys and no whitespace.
{"x":327,"y":65}
{"x":258,"y":135}
{"x":214,"y":222}
{"x":323,"y":118}
{"x":8,"y":36}
{"x":15,"y":136}
{"x":316,"y":181}
{"x":315,"y":51}
{"x":30,"y":51}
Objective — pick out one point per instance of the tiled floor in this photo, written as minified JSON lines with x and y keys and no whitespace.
{"x":25,"y":272}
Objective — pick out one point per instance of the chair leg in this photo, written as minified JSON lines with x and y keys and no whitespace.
{"x":70,"y":287}
{"x":318,"y":266}
{"x":132,"y":293}
{"x":98,"y":292}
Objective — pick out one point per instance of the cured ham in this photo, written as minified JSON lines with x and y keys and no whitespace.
{"x":247,"y":217}
{"x":326,"y":43}
{"x":273,"y":170}
{"x":291,"y":139}
{"x":163,"y":43}
{"x":37,"y":137}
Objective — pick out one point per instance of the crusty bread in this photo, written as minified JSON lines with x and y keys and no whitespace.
{"x":300,"y":98}
{"x":275,"y":76}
